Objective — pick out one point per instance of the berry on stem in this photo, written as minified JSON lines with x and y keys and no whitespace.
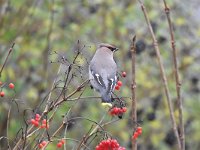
{"x":119,"y":83}
{"x":44,"y":121}
{"x":40,"y":146}
{"x":62,"y":141}
{"x":59,"y":145}
{"x":137,"y":133}
{"x":11,"y":86}
{"x":43,"y":143}
{"x":117,"y":87}
{"x":37,"y":117}
{"x":2,"y":93}
{"x":124,"y":74}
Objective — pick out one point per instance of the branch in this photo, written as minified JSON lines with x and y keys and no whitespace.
{"x":133,"y":87}
{"x":178,"y":83}
{"x":9,"y":52}
{"x":162,"y":71}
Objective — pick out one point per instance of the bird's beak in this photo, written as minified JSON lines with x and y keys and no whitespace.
{"x":116,"y":49}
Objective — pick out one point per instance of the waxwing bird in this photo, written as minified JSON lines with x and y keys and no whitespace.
{"x":103,"y":71}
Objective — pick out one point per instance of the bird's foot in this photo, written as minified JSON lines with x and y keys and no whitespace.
{"x":109,"y":105}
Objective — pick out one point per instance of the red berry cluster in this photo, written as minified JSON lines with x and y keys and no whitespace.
{"x":60,"y":143}
{"x":36,"y":123}
{"x":118,"y":85}
{"x":11,"y":86}
{"x":42,"y":144}
{"x":137,"y":133}
{"x":117,"y":111}
{"x":109,"y":144}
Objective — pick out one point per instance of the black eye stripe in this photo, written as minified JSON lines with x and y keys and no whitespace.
{"x":111,"y":48}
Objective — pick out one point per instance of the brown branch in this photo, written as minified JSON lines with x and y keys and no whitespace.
{"x":70,"y":95}
{"x":133,"y":87}
{"x":178,"y":83}
{"x":163,"y":75}
{"x":9,"y":52}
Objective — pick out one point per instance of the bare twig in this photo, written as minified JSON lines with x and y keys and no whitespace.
{"x":133,"y":86}
{"x":178,"y":83}
{"x":49,"y":97}
{"x":7,"y":128}
{"x":162,"y":71}
{"x":70,"y":95}
{"x":9,"y":52}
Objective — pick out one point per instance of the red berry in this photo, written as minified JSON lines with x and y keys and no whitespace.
{"x":139,"y":129}
{"x":119,"y":83}
{"x":32,"y":121}
{"x":124,"y":109}
{"x":120,"y":111}
{"x":117,"y":87}
{"x":43,"y":126}
{"x":124,"y":74}
{"x":135,"y":135}
{"x":62,"y":141}
{"x":59,"y":145}
{"x":37,"y":119}
{"x":37,"y":116}
{"x":36,"y":124}
{"x":40,"y":146}
{"x":116,"y":110}
{"x":44,"y":121}
{"x":98,"y":147}
{"x":121,"y":148}
{"x":2,"y":93}
{"x":43,"y":143}
{"x":139,"y":132}
{"x":11,"y":86}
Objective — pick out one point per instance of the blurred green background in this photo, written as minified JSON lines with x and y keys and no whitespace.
{"x":40,"y":27}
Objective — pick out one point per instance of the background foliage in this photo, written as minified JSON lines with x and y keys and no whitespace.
{"x":40,"y":27}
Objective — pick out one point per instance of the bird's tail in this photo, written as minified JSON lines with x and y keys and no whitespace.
{"x":106,"y":98}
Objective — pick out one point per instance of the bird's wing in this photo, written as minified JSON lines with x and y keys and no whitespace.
{"x":97,"y":77}
{"x":111,"y":83}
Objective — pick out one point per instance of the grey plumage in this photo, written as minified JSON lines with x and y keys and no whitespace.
{"x":103,"y":70}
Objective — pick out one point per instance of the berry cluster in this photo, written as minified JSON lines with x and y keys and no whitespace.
{"x":60,"y":143}
{"x":36,"y":123}
{"x":137,"y":133}
{"x":118,"y":85}
{"x":109,"y":144}
{"x":117,"y":111}
{"x":11,"y":86}
{"x":42,"y":144}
